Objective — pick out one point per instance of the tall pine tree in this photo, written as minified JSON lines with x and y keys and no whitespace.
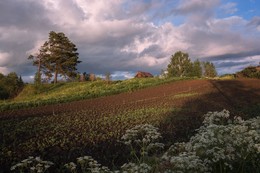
{"x":57,"y":56}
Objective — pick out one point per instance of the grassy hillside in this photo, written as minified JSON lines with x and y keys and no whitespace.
{"x":66,"y":92}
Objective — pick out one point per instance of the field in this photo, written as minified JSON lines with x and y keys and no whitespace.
{"x":62,"y":132}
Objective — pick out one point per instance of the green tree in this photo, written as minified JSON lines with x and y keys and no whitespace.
{"x":10,"y":85}
{"x":251,"y":72}
{"x":38,"y":60}
{"x":180,"y":65}
{"x":3,"y":91}
{"x":209,"y":69}
{"x":57,"y":56}
{"x":196,"y":69}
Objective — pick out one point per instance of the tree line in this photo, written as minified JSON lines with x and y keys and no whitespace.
{"x":59,"y":56}
{"x":181,"y":66}
{"x":10,"y":85}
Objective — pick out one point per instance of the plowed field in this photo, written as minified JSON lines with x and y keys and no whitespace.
{"x":63,"y":132}
{"x":218,"y":95}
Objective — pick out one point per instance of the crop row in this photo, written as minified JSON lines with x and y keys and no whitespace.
{"x":64,"y":133}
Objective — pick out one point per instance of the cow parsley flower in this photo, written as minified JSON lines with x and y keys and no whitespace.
{"x":32,"y":164}
{"x":134,"y":168}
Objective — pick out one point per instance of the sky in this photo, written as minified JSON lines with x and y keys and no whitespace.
{"x":125,"y":36}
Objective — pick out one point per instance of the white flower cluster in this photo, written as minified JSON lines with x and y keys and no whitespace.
{"x":217,"y":118}
{"x":143,"y":136}
{"x":179,"y":158}
{"x":33,"y":165}
{"x":71,"y":166}
{"x":221,"y":142}
{"x":87,"y":164}
{"x":185,"y":162}
{"x":133,"y":168}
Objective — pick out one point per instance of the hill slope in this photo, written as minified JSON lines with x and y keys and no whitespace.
{"x":66,"y":92}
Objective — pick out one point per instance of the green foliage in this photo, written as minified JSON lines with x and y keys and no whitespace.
{"x":250,"y":72}
{"x":209,"y":69}
{"x":179,"y":65}
{"x":196,"y":69}
{"x":10,"y":85}
{"x":56,"y":56}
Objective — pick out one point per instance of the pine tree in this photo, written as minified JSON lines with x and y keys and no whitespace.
{"x":57,"y":56}
{"x":180,"y":65}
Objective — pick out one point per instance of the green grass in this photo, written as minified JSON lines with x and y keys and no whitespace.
{"x":67,"y":92}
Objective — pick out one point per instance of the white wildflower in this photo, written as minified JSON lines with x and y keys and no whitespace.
{"x":32,"y":164}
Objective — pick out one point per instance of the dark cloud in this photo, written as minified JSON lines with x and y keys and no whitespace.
{"x":232,"y":57}
{"x":121,"y":36}
{"x":230,"y":64}
{"x":255,"y":21}
{"x":23,"y":14}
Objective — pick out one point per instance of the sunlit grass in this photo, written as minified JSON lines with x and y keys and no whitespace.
{"x":184,"y":95}
{"x":66,"y":92}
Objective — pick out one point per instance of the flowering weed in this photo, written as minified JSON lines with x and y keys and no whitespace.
{"x":222,"y":144}
{"x":32,"y":165}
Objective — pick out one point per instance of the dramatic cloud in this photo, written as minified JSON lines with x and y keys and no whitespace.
{"x":123,"y":36}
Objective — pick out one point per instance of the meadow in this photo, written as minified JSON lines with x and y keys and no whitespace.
{"x":63,"y":132}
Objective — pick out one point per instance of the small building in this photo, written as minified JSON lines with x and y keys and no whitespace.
{"x":141,"y":74}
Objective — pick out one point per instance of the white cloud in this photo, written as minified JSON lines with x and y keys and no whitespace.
{"x":4,"y":70}
{"x":119,"y":75}
{"x":4,"y":56}
{"x":229,"y":8}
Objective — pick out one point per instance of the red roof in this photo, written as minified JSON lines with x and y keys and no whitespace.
{"x":141,"y":74}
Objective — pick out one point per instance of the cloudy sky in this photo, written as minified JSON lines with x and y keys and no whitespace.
{"x":124,"y":36}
